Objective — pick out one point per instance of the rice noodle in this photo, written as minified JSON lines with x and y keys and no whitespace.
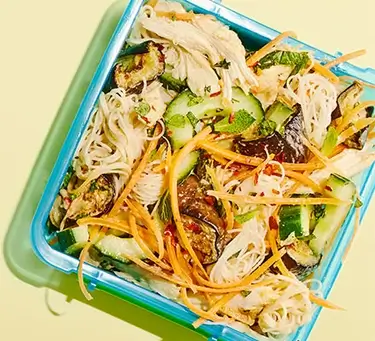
{"x":317,"y":97}
{"x":113,"y":141}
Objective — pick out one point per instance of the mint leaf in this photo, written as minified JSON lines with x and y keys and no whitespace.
{"x":177,"y":121}
{"x":242,"y":121}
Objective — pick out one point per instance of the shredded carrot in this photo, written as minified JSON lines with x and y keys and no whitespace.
{"x":220,"y":160}
{"x":357,"y":126}
{"x":122,"y":226}
{"x":185,"y":271}
{"x":108,"y":222}
{"x":196,"y":310}
{"x":319,"y":68}
{"x":143,"y":246}
{"x":352,"y":115}
{"x":176,"y":16}
{"x":253,"y":161}
{"x":226,"y":204}
{"x":248,"y":174}
{"x":136,"y":174}
{"x":246,"y":281}
{"x":275,"y":251}
{"x":172,"y":257}
{"x":149,"y":222}
{"x":324,"y":303}
{"x":268,"y":47}
{"x":157,"y":271}
{"x":305,"y":180}
{"x":94,"y":235}
{"x":276,"y":200}
{"x":173,"y":178}
{"x":81,"y":282}
{"x":318,"y":154}
{"x":344,"y":58}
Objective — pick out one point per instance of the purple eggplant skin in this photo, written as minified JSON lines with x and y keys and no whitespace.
{"x":287,"y":147}
{"x":355,"y":90}
{"x":358,"y":140}
{"x":203,"y":224}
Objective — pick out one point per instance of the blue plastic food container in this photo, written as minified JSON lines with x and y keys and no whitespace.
{"x":254,"y":35}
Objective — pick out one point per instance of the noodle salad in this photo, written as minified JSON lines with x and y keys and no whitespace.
{"x":215,"y":175}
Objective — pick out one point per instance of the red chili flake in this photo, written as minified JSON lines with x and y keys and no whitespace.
{"x":236,"y":172}
{"x":206,"y":156}
{"x":67,"y":201}
{"x":232,"y":116}
{"x":268,"y":170}
{"x":170,"y":230}
{"x":272,"y":222}
{"x":209,"y":200}
{"x":169,"y":133}
{"x":280,"y":157}
{"x":256,"y":178}
{"x":262,"y":194}
{"x":146,"y":119}
{"x":274,"y":191}
{"x":194,"y":227}
{"x":328,"y":188}
{"x":215,"y":94}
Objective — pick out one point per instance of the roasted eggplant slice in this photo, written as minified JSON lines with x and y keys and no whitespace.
{"x":300,"y":259}
{"x":358,"y":140}
{"x":288,"y":147}
{"x":96,"y":200}
{"x":204,"y":238}
{"x":202,"y":222}
{"x":137,"y":64}
{"x":347,"y":99}
{"x":57,"y":212}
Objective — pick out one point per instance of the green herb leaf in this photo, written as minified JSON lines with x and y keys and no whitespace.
{"x":165,"y":208}
{"x":72,"y":196}
{"x":330,"y":141}
{"x":207,"y":89}
{"x":267,"y":127}
{"x":298,"y":60}
{"x":194,"y":100}
{"x":67,"y":177}
{"x":358,"y":203}
{"x":142,"y":109}
{"x":193,"y":120}
{"x":243,"y":218}
{"x":177,"y":121}
{"x":93,"y":186}
{"x":242,"y":121}
{"x":223,"y":64}
{"x":245,"y":293}
{"x":319,"y":211}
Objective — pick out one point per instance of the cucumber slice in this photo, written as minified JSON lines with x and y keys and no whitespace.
{"x":188,"y":164}
{"x":184,"y":170}
{"x":179,"y":127}
{"x":339,"y":188}
{"x":114,"y":248}
{"x":279,"y":113}
{"x":294,"y":219}
{"x":73,"y":239}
